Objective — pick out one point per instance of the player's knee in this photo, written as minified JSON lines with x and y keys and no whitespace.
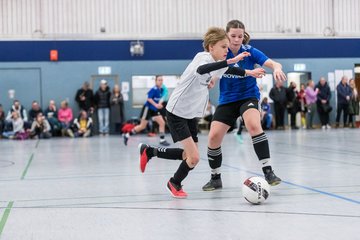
{"x":214,"y":138}
{"x":193,"y":160}
{"x":254,"y":129}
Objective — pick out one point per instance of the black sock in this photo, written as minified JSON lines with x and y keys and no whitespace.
{"x":215,"y":159}
{"x":168,"y":153}
{"x":162,"y":137}
{"x":261,"y":147}
{"x":181,"y":173}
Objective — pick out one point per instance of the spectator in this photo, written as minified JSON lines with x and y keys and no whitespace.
{"x":2,"y":120}
{"x":292,"y":104}
{"x":311,"y":96}
{"x":34,"y":111}
{"x":343,"y":100}
{"x":17,"y":107}
{"x":51,"y":115}
{"x":116,"y":110}
{"x":65,"y":116}
{"x":17,"y":126}
{"x":40,"y":128}
{"x":266,"y":114}
{"x":85,"y":98}
{"x":102,"y":100}
{"x":82,"y":125}
{"x":323,"y":103}
{"x":354,"y":103}
{"x":302,"y":104}
{"x":278,"y":95}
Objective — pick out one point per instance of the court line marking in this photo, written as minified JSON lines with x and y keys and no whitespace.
{"x":203,"y":210}
{"x":27,"y":167}
{"x":5,"y":216}
{"x":301,"y":186}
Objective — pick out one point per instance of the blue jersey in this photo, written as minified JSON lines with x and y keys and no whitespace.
{"x":155,"y":94}
{"x":234,"y":88}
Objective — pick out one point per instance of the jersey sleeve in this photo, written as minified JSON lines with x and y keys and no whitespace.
{"x":258,"y":56}
{"x":151,"y":93}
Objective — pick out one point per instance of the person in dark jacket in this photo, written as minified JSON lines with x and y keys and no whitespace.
{"x":278,"y":95}
{"x":85,"y":98}
{"x":34,"y":111}
{"x":323,"y":102}
{"x":343,"y":99}
{"x":102,"y":100}
{"x":292,"y":104}
{"x":116,"y":110}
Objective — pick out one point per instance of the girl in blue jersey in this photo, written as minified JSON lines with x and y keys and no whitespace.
{"x":240,"y":98}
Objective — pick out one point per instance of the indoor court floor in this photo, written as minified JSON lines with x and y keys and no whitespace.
{"x":93,"y":189}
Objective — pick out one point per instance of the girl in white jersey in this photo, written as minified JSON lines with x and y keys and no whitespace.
{"x":188,"y":102}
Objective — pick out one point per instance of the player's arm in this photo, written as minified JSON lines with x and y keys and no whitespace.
{"x":256,"y":73}
{"x":278,"y":73}
{"x":152,"y":102}
{"x":209,"y":67}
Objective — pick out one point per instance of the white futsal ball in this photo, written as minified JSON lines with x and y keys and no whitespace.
{"x":255,"y":190}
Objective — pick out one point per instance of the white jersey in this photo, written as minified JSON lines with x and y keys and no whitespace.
{"x":190,"y":97}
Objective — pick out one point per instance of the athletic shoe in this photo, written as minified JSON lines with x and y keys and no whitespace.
{"x":239,"y":137}
{"x":272,"y":179}
{"x":70,"y":133}
{"x":175,"y":190}
{"x":164,"y":143}
{"x":323,"y":127}
{"x":328,"y":126}
{"x":213,"y":184}
{"x":126,"y":137}
{"x":144,"y":158}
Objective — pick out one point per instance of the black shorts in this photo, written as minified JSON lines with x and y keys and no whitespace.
{"x":229,"y":113}
{"x":181,"y":128}
{"x":147,"y":113}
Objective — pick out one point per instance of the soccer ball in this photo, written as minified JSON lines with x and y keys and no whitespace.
{"x":255,"y":190}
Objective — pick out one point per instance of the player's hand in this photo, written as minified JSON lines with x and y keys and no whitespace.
{"x":279,"y":75}
{"x":211,"y":84}
{"x":238,"y":58}
{"x":159,"y":106}
{"x":256,"y":73}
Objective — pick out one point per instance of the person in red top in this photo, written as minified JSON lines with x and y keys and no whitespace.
{"x":302,"y":101}
{"x":65,"y":116}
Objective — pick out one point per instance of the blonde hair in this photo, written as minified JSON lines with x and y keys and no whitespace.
{"x":212,"y":36}
{"x":238,"y":24}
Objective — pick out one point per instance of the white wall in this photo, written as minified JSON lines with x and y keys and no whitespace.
{"x":131,"y":19}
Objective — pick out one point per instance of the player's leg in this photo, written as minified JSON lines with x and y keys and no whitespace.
{"x":252,"y":121}
{"x":160,"y":120}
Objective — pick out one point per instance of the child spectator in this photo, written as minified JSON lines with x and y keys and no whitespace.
{"x":65,"y":116}
{"x":40,"y":128}
{"x":17,"y":125}
{"x":82,"y":125}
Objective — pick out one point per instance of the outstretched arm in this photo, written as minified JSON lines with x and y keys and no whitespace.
{"x":278,"y":73}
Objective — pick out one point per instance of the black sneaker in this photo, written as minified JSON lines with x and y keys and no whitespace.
{"x":126,"y":138}
{"x":272,"y":179}
{"x":164,"y":143}
{"x":213,"y":184}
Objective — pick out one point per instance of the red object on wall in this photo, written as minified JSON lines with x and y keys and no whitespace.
{"x":54,"y":55}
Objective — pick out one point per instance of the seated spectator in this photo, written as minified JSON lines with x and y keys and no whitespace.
{"x":82,"y":125}
{"x":17,"y":107}
{"x":17,"y":126}
{"x":51,"y":115}
{"x":34,"y":111}
{"x":2,"y":120}
{"x":65,"y":116}
{"x":85,"y":98}
{"x":266,"y":114}
{"x":40,"y":128}
{"x":116,"y":110}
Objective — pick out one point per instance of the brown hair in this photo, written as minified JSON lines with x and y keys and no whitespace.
{"x":212,"y":36}
{"x":238,"y":24}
